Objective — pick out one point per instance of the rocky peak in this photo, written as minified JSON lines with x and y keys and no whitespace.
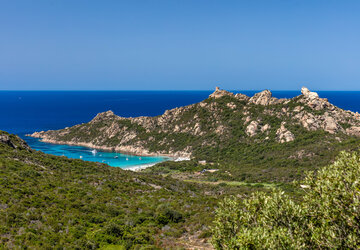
{"x":220,"y":93}
{"x":263,"y":98}
{"x":103,"y":116}
{"x":308,"y":94}
{"x":313,"y":100}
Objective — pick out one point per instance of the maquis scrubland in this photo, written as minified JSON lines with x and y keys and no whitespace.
{"x":263,"y":173}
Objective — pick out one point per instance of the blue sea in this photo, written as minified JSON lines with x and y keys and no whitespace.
{"x":23,"y":112}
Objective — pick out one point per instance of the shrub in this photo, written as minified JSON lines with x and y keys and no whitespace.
{"x":327,"y":217}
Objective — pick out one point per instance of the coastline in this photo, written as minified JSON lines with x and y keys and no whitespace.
{"x":130,"y":150}
{"x":135,"y":168}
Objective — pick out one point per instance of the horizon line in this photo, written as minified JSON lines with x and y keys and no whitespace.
{"x":108,"y":90}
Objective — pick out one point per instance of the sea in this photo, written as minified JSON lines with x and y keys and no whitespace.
{"x":24,"y":112}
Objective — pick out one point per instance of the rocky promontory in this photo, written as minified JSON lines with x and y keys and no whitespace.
{"x":222,"y":118}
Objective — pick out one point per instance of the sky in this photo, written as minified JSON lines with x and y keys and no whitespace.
{"x":179,"y":44}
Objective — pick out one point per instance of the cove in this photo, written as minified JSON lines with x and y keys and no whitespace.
{"x":113,"y":159}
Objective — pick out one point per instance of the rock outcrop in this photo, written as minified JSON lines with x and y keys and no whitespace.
{"x":220,"y":93}
{"x":330,"y":125}
{"x":252,"y":128}
{"x":104,"y":116}
{"x":5,"y":139}
{"x":308,"y":94}
{"x":263,"y":98}
{"x":353,"y":131}
{"x":284,"y":135}
{"x":265,"y":128}
{"x":313,"y":100}
{"x":242,"y":97}
{"x":15,"y":142}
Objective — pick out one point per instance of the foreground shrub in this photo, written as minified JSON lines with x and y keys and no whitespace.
{"x":327,"y":217}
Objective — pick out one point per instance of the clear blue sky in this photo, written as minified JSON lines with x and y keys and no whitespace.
{"x":179,"y":44}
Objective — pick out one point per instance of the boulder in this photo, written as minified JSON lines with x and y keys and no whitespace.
{"x":197,"y":129}
{"x":308,"y":94}
{"x":298,"y":108}
{"x":284,"y":135}
{"x":330,"y":125}
{"x":308,"y":120}
{"x":252,"y":128}
{"x":265,"y":128}
{"x":263,"y":98}
{"x":231,"y":105}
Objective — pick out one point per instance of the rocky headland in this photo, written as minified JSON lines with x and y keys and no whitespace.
{"x":222,"y":118}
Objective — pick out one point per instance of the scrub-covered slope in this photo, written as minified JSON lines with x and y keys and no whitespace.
{"x":51,"y":202}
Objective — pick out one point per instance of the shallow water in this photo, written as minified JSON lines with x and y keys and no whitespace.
{"x":77,"y":152}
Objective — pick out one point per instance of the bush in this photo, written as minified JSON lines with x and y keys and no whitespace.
{"x":166,"y":215}
{"x":327,"y":217}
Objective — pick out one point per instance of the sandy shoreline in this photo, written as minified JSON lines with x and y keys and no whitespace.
{"x":144,"y":166}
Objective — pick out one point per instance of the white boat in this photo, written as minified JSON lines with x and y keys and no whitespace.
{"x":94,"y":151}
{"x":116,"y":157}
{"x":127,"y":158}
{"x":80,"y":156}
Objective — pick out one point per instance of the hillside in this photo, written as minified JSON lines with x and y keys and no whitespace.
{"x":52,"y":202}
{"x":259,"y":138}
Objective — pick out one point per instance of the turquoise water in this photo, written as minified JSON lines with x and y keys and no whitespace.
{"x":77,"y":152}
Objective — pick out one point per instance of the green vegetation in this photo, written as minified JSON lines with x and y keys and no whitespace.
{"x":55,"y":202}
{"x":327,"y":217}
{"x":51,"y":202}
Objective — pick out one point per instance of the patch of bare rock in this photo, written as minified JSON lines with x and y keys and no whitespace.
{"x":284,"y":135}
{"x":220,"y":93}
{"x":252,"y":128}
